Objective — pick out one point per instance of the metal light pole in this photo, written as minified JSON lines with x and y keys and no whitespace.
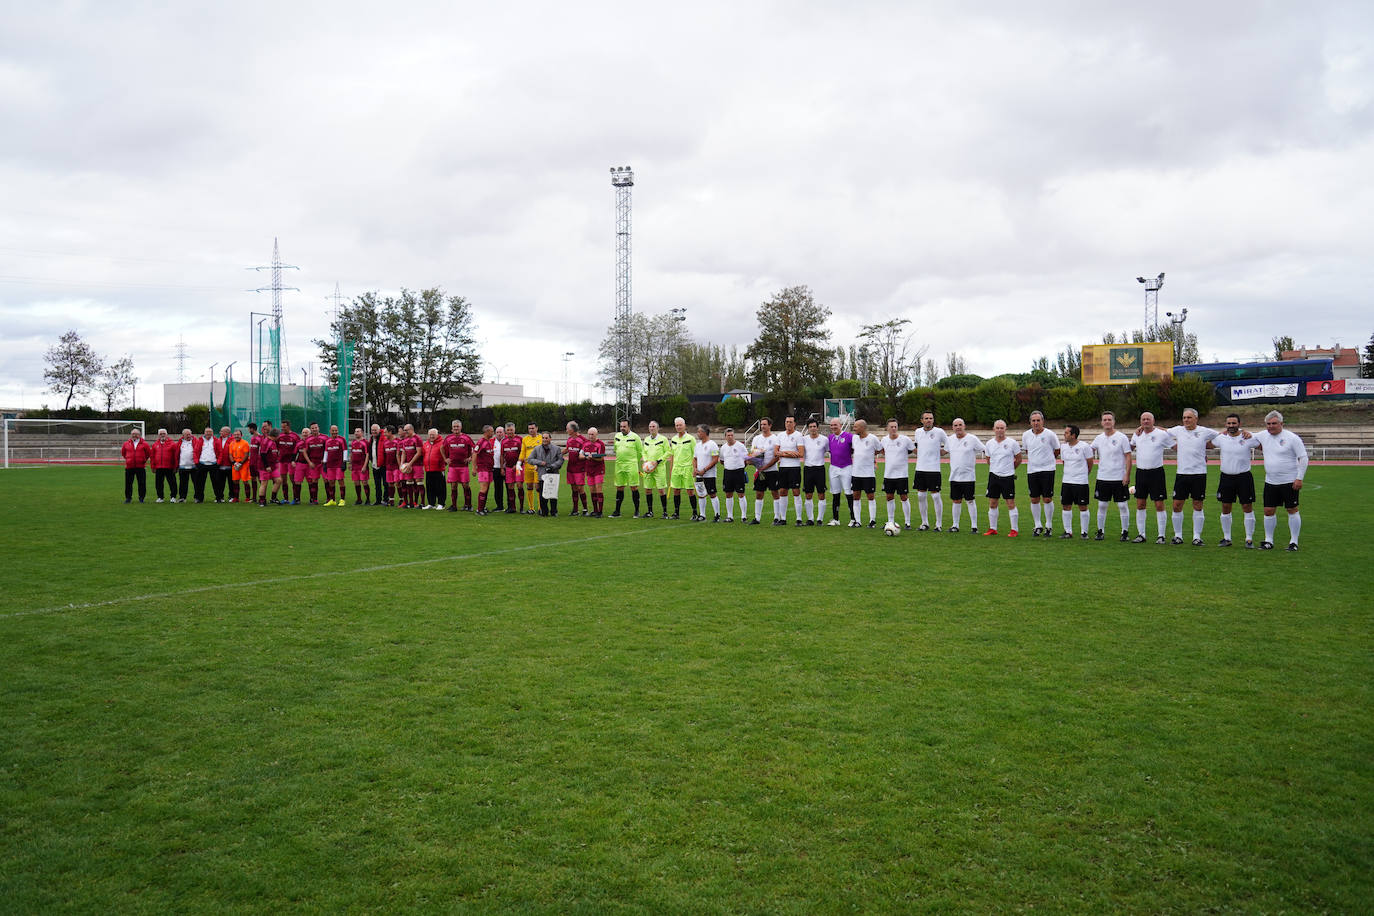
{"x":566,"y":356}
{"x":212,"y":393}
{"x":1177,"y":324}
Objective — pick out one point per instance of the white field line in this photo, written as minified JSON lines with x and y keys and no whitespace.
{"x":157,"y":596}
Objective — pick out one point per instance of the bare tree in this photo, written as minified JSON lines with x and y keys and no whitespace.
{"x":895,"y":358}
{"x":114,"y":380}
{"x":73,"y":367}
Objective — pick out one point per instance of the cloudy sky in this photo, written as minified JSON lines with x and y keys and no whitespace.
{"x":999,"y":178}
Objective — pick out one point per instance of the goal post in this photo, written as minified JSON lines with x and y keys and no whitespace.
{"x":841,"y":409}
{"x":31,"y":442}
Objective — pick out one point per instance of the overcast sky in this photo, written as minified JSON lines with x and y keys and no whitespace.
{"x":999,"y":178}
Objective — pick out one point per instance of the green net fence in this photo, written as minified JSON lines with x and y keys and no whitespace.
{"x":246,"y":402}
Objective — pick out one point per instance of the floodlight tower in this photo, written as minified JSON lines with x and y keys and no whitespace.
{"x":1152,"y":288}
{"x":623,"y":180}
{"x":1177,"y":322}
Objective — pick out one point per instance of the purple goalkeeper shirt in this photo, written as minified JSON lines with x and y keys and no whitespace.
{"x":841,"y":450}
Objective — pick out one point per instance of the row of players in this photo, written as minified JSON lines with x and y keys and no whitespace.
{"x":413,"y":470}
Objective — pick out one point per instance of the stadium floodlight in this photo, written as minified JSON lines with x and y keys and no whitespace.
{"x":1177,"y":324}
{"x":1152,"y":288}
{"x":678,"y":314}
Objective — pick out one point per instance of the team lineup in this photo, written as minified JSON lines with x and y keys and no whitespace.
{"x":518,"y":474}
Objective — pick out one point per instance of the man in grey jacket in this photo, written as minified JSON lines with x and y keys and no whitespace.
{"x":547,"y":459}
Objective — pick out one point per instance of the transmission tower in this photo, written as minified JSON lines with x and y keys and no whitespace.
{"x":268,"y":365}
{"x":181,"y":359}
{"x":623,"y":180}
{"x":1152,"y":287}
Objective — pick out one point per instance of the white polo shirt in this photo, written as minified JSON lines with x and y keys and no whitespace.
{"x":963,"y":454}
{"x":1149,"y":448}
{"x":865,"y":455}
{"x":896,"y":453}
{"x":1040,"y":450}
{"x":815,"y":448}
{"x":1285,"y":457}
{"x":1111,"y":454}
{"x":789,"y":442}
{"x":1236,"y":452}
{"x":1076,"y":458}
{"x":1002,"y":456}
{"x":1192,"y":448}
{"x":702,"y":453}
{"x":928,"y":445}
{"x":765,"y":446}
{"x":732,"y":456}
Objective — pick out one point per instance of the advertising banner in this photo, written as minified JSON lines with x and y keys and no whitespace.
{"x":1121,"y":364}
{"x":1341,"y":387}
{"x":1264,"y":392}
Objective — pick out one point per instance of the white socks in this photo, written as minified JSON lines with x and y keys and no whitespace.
{"x":993,"y":513}
{"x":939,"y":510}
{"x":1199,"y":519}
{"x":1012,"y":515}
{"x":921,"y":504}
{"x":906,"y":512}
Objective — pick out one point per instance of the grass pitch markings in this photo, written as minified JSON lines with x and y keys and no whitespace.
{"x":277,"y":580}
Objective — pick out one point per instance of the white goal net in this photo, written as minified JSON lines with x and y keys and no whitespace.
{"x":38,"y":442}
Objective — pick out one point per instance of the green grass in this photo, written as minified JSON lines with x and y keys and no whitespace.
{"x":575,"y":715}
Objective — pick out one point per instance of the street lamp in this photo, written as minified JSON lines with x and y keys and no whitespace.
{"x":567,"y":355}
{"x":1177,"y":324}
{"x":1152,"y":288}
{"x":212,"y":393}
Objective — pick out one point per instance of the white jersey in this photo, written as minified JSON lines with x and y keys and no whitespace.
{"x":865,"y":455}
{"x":702,"y":453}
{"x":1111,"y":455}
{"x":928,"y":445}
{"x":1002,"y":456}
{"x":765,"y":446}
{"x":1149,"y":448}
{"x":963,"y":453}
{"x":1076,"y":458}
{"x":815,"y":448}
{"x":1040,"y":450}
{"x":1285,"y":457}
{"x":1192,"y":448}
{"x":732,"y":456}
{"x":895,"y":456}
{"x":1235,"y":452}
{"x":789,"y":442}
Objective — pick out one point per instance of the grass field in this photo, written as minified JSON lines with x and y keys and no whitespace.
{"x":232,"y":709}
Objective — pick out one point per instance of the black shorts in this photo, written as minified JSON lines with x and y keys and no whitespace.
{"x":864,"y":484}
{"x":1280,"y":494}
{"x":789,"y":478}
{"x":1237,"y":488}
{"x":813,"y":479}
{"x":1149,"y":484}
{"x":960,"y":490}
{"x":1073,"y":494}
{"x":1190,"y":486}
{"x":708,"y":484}
{"x":766,"y":480}
{"x":928,"y":481}
{"x":1040,"y":483}
{"x":734,"y":480}
{"x":1001,"y":487}
{"x":893,"y":485}
{"x":1110,"y":491}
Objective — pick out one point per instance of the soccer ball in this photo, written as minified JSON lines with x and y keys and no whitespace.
{"x":648,"y":467}
{"x":891,"y":529}
{"x":1133,"y":491}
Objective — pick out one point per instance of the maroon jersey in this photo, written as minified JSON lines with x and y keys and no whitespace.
{"x":410,"y":448}
{"x":268,"y":453}
{"x":593,"y":456}
{"x":357,"y":453}
{"x":254,"y":448}
{"x":391,"y":454}
{"x":458,"y":448}
{"x":334,"y":448}
{"x":314,"y":448}
{"x":510,"y":451}
{"x":486,"y":453}
{"x":287,"y":443}
{"x":573,"y":451}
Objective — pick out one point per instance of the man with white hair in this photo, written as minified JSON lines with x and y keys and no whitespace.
{"x":681,"y":479}
{"x":1285,"y":465}
{"x":1190,"y":481}
{"x":1042,"y":449}
{"x":1149,"y":443}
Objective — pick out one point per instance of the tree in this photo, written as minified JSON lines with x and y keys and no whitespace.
{"x":1281,"y":344}
{"x":72,"y":367}
{"x":114,"y":379}
{"x":792,"y":350}
{"x":955,"y":365}
{"x":415,"y":351}
{"x":708,"y":368}
{"x":1367,"y":363}
{"x":896,"y":363}
{"x":1186,"y":349}
{"x":660,"y":352}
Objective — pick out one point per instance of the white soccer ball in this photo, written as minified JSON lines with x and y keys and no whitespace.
{"x":891,"y":529}
{"x":1133,"y":491}
{"x":648,"y":467}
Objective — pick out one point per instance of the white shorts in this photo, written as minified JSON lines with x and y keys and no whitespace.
{"x":841,"y":480}
{"x":549,"y":484}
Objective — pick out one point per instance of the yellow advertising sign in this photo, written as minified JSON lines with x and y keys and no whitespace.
{"x":1121,"y":364}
